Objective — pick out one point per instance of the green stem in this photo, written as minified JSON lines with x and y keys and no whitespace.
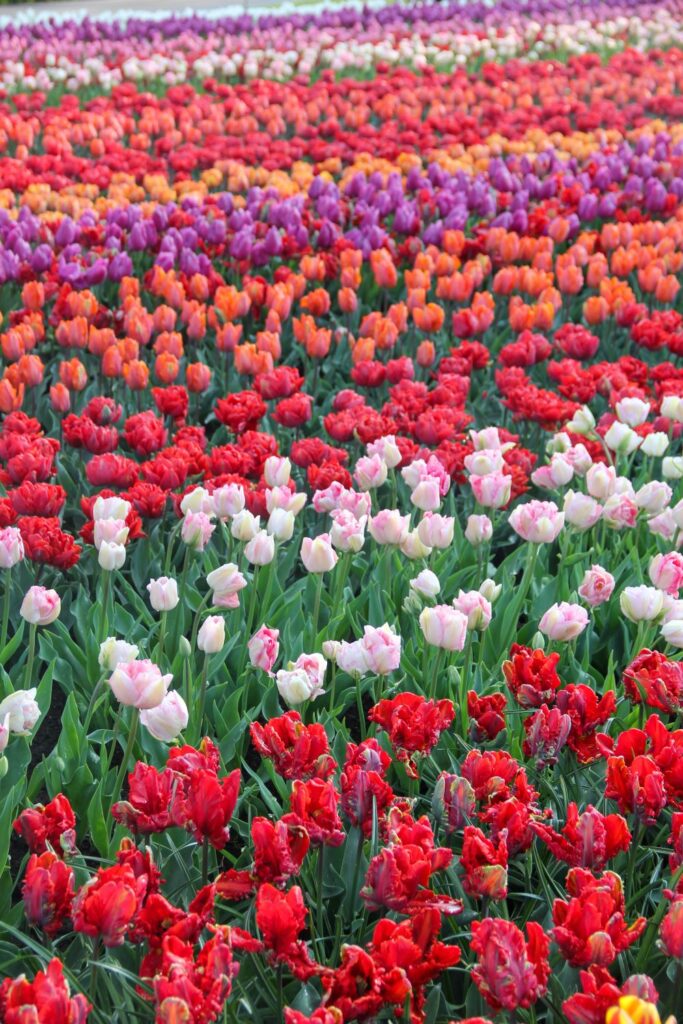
{"x":202,"y":695}
{"x":321,"y":881}
{"x":162,"y":637}
{"x":5,"y":608}
{"x":104,"y":621}
{"x":361,"y":712}
{"x":93,"y":701}
{"x":123,"y":767}
{"x":316,"y":607}
{"x":31,"y":655}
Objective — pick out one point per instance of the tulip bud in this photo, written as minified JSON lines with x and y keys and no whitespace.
{"x":113,"y":651}
{"x":479,"y":530}
{"x":317,"y":554}
{"x":111,"y":556}
{"x":211,"y":636}
{"x":260,"y":550}
{"x":163,"y":594}
{"x":166,"y":720}
{"x":20,"y":711}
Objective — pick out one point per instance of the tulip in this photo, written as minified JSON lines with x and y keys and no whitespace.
{"x":317,"y":554}
{"x":632,"y":411}
{"x":631,"y":1009}
{"x":22,"y":709}
{"x":492,"y":490}
{"x":197,"y":500}
{"x":139,"y":684}
{"x":111,"y":508}
{"x":672,"y":408}
{"x":280,"y":524}
{"x":597,"y":586}
{"x":443,"y":626}
{"x":475,"y":606}
{"x":641,"y":604}
{"x":211,"y":635}
{"x":226,"y":582}
{"x":11,"y":547}
{"x":622,"y":439}
{"x":479,"y":530}
{"x":285,"y":498}
{"x":382,"y":647}
{"x":370,"y":472}
{"x":387,"y":449}
{"x":655,"y":444}
{"x":163,"y":594}
{"x":352,"y":658}
{"x":436,"y":531}
{"x":277,"y":471}
{"x":582,"y":422}
{"x":672,"y":467}
{"x":196,"y":530}
{"x":40,"y":606}
{"x":601,"y":481}
{"x":653,"y":497}
{"x":426,"y":583}
{"x":168,"y":719}
{"x":413,"y":548}
{"x":347,"y":533}
{"x":666,"y":572}
{"x":388,"y":527}
{"x":564,"y":621}
{"x":294,"y":686}
{"x":111,"y":556}
{"x":672,"y":631}
{"x":228,"y":500}
{"x":264,"y":648}
{"x":113,"y":651}
{"x":580,"y":510}
{"x":538,"y":522}
{"x":260,"y":550}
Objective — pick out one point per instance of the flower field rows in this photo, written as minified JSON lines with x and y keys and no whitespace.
{"x":341,"y":603}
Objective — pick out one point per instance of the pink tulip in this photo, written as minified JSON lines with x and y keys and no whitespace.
{"x":479,"y":530}
{"x":580,"y":510}
{"x":389,"y":526}
{"x":436,"y":531}
{"x":382,"y":647}
{"x":387,"y":449}
{"x":11,"y":547}
{"x":427,"y":494}
{"x":260,"y":550}
{"x":347,"y":532}
{"x":317,"y":553}
{"x":370,"y":472}
{"x":443,"y":626}
{"x":163,"y":594}
{"x":564,"y":621}
{"x":226,"y":582}
{"x":139,"y":684}
{"x":277,"y":471}
{"x":352,"y":658}
{"x":211,"y":636}
{"x":538,"y":522}
{"x":492,"y":490}
{"x":228,"y":500}
{"x":666,"y":572}
{"x":475,"y":606}
{"x":168,"y":719}
{"x":597,"y":586}
{"x":40,"y":606}
{"x":196,"y":530}
{"x":264,"y":648}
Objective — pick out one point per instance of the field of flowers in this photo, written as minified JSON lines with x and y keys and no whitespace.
{"x":341,"y":516}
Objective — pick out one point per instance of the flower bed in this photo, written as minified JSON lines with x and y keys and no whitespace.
{"x":341,"y":459}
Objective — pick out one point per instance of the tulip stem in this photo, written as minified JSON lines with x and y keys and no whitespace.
{"x":202,"y":695}
{"x":162,"y":636}
{"x":31,"y":655}
{"x":316,"y":606}
{"x":104,"y":621}
{"x":123,"y":767}
{"x":5,"y":608}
